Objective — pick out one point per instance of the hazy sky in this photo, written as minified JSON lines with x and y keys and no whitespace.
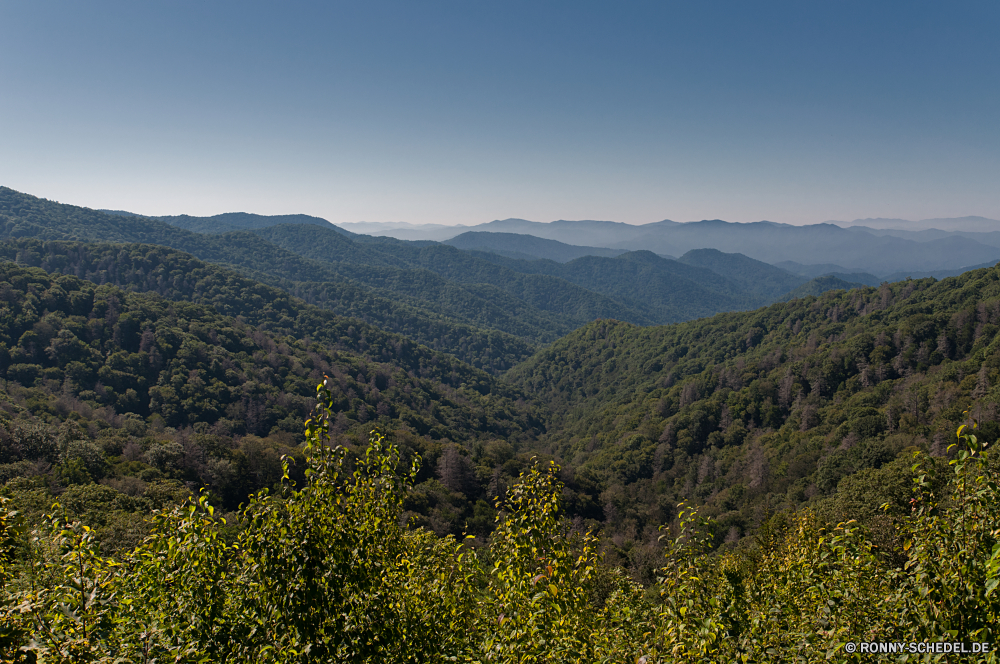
{"x":463,"y":112}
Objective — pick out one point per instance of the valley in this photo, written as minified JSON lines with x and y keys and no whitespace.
{"x":486,"y":360}
{"x":143,"y":362}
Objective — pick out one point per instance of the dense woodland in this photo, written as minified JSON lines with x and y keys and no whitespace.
{"x":517,"y":501}
{"x":434,"y":293}
{"x":754,"y":412}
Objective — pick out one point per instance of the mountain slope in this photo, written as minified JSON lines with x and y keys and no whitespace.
{"x":665,"y":290}
{"x":528,"y":247}
{"x":827,"y":269}
{"x":389,"y":279}
{"x":551,"y":308}
{"x":748,"y":412}
{"x":762,"y":279}
{"x":396,"y":265}
{"x":965,"y":224}
{"x":820,"y":285}
{"x":244,"y":221}
{"x":159,"y":397}
{"x":819,"y":243}
{"x":534,"y":308}
{"x":388,"y":298}
{"x":185,"y":363}
{"x":179,"y":276}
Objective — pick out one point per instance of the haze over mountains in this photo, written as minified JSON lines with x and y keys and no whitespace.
{"x":954,"y":224}
{"x":854,"y":247}
{"x":971,"y":224}
{"x":883,"y":248}
{"x":534,"y":289}
{"x":536,"y":281}
{"x":487,"y":309}
{"x":492,"y":295}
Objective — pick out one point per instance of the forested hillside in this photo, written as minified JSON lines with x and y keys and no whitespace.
{"x":408,"y":268}
{"x":394,"y":291}
{"x":454,"y":301}
{"x":528,"y":247}
{"x":743,"y":412}
{"x":422,"y":288}
{"x":662,"y":289}
{"x":421,"y":304}
{"x":798,"y":403}
{"x":133,"y":389}
{"x":761,"y":279}
{"x":820,"y":285}
{"x":177,"y":275}
{"x":236,"y":221}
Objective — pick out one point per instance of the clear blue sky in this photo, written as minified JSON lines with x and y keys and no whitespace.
{"x":463,"y":112}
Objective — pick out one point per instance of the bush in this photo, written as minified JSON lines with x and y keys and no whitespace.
{"x":88,"y":455}
{"x":24,"y":373}
{"x":27,"y":440}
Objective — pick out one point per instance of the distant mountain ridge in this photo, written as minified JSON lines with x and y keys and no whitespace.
{"x":972,"y":224}
{"x":990,"y":239}
{"x":404,"y":231}
{"x":244,"y":221}
{"x":758,"y":277}
{"x":231,"y":221}
{"x":825,"y":269}
{"x":516,"y":245}
{"x":889,"y":247}
{"x":770,"y":242}
{"x":486,"y":308}
{"x":852,"y":249}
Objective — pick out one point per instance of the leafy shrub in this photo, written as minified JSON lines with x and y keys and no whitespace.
{"x":89,"y":455}
{"x":22,"y":468}
{"x":24,"y":373}
{"x":28,"y":440}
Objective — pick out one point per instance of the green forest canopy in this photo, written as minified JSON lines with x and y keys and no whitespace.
{"x":135,"y":374}
{"x":329,"y":572}
{"x":434,"y":293}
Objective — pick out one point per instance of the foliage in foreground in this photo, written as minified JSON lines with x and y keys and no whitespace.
{"x":329,"y":572}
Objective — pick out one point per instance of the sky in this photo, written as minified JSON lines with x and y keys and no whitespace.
{"x":467,"y":111}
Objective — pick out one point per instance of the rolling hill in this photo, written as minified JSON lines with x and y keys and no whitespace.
{"x":757,"y":277}
{"x":418,"y":287}
{"x":230,"y":221}
{"x":780,"y":405}
{"x":820,"y":285}
{"x":438,"y":312}
{"x":527,"y":247}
